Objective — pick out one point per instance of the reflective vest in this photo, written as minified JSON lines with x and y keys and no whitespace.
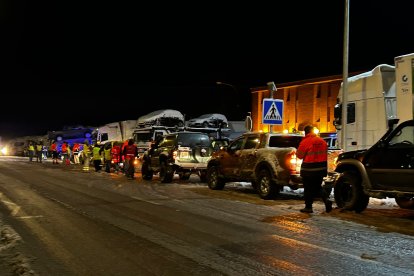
{"x":107,"y":154}
{"x":96,"y":154}
{"x":86,"y":149}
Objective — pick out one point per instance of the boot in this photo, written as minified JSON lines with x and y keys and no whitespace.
{"x":306,"y":210}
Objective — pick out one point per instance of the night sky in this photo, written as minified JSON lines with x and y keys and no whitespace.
{"x":89,"y":64}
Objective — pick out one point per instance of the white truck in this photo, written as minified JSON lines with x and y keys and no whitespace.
{"x":374,"y":98}
{"x":116,"y":131}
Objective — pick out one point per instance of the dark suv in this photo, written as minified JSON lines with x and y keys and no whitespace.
{"x":384,"y":170}
{"x":183,"y":153}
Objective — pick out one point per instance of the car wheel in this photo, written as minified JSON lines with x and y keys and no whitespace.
{"x":205,"y":124}
{"x":214,"y":182}
{"x":166,"y":173}
{"x":405,"y":202}
{"x":180,"y":124}
{"x":184,"y":176}
{"x":147,"y":173}
{"x":348,"y":193}
{"x":266,"y":187}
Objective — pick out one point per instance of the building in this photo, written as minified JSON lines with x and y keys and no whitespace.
{"x":306,"y":102}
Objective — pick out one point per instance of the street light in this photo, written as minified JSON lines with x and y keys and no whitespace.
{"x":236,"y":92}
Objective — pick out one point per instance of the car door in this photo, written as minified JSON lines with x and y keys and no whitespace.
{"x":230,"y":158}
{"x":390,"y":164}
{"x":248,"y":157}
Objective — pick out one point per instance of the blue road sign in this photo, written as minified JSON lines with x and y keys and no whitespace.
{"x":272,"y":111}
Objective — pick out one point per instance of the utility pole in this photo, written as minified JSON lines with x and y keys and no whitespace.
{"x":345,"y":78}
{"x":272,"y":88}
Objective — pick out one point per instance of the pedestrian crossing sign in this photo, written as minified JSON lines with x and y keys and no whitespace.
{"x":272,"y":111}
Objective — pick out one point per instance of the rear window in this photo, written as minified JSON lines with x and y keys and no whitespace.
{"x":285,"y":141}
{"x":191,"y":140}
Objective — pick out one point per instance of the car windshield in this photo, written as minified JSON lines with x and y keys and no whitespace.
{"x":285,"y":141}
{"x":142,"y":137}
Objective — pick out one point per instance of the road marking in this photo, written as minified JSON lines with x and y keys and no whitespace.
{"x":148,"y":201}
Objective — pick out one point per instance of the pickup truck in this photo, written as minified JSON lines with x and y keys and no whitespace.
{"x":267,"y":160}
{"x":384,"y":170}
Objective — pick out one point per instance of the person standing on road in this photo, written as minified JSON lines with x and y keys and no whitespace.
{"x":130,"y":152}
{"x":76,"y":149}
{"x":97,"y":157}
{"x":314,"y":152}
{"x":31,"y":150}
{"x":54,"y":150}
{"x":39,"y":149}
{"x":86,"y":155}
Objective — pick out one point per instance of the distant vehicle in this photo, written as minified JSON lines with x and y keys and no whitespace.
{"x":213,"y":120}
{"x":71,"y":135}
{"x":163,"y":117}
{"x":331,"y":139}
{"x":116,"y":131}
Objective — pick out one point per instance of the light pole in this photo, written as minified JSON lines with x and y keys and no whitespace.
{"x":345,"y":76}
{"x":236,"y":92}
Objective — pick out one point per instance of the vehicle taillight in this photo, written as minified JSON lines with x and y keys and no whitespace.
{"x":294,"y":163}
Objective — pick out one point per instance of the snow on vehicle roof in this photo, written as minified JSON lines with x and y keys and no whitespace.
{"x":161,"y":113}
{"x":221,"y":116}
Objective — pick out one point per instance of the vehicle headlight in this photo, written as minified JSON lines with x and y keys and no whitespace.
{"x":4,"y":150}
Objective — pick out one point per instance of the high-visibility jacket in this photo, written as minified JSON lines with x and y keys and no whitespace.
{"x":64,"y":148}
{"x":107,"y":154}
{"x":38,"y":147}
{"x":86,"y":149}
{"x":96,"y":153}
{"x":53,"y":147}
{"x":116,"y":153}
{"x":314,"y":152}
{"x":130,"y":151}
{"x":31,"y":148}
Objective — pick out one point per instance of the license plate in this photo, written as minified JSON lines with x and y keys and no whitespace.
{"x":184,"y":155}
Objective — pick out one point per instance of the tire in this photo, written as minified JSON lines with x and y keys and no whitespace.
{"x":405,"y":202}
{"x":180,"y":124}
{"x":214,"y":182}
{"x":185,"y":176}
{"x":205,"y":124}
{"x":146,"y":172}
{"x":349,"y":194}
{"x":166,"y":173}
{"x":266,"y":187}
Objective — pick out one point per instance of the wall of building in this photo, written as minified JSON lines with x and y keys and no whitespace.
{"x":305,"y":102}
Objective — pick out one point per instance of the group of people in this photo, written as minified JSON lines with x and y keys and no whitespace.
{"x":37,"y":150}
{"x":112,"y":155}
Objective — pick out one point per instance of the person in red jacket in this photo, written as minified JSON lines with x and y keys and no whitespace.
{"x":130,"y":152}
{"x":314,"y":152}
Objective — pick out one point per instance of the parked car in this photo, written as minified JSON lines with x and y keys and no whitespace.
{"x":267,"y":160}
{"x":183,"y":153}
{"x":213,"y":120}
{"x":163,"y":117}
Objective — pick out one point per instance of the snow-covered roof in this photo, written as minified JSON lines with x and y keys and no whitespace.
{"x":171,"y":113}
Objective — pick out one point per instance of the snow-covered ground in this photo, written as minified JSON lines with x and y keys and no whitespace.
{"x":385,"y":202}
